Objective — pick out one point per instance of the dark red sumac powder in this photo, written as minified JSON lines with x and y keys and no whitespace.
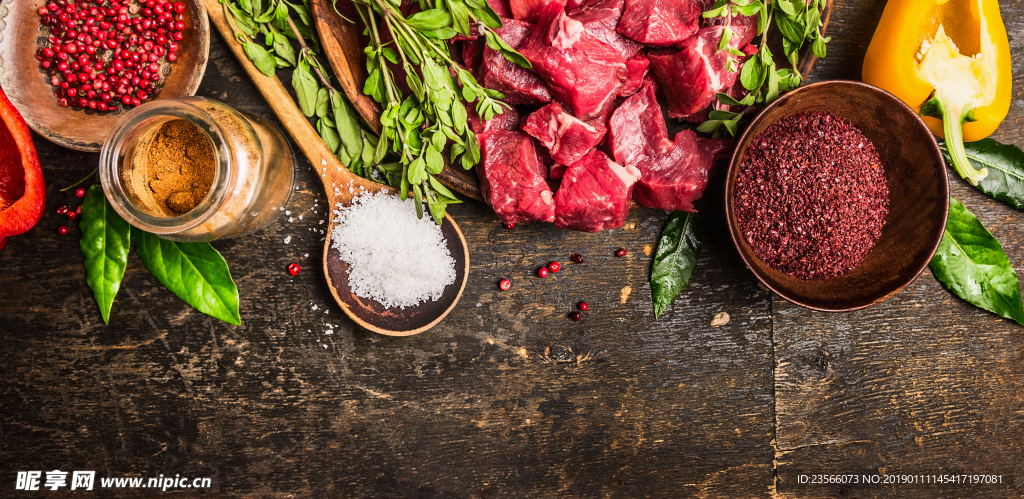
{"x":811,"y":195}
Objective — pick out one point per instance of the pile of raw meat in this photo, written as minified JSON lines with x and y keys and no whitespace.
{"x":595,"y":137}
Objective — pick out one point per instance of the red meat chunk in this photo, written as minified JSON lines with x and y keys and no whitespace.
{"x":584,"y":73}
{"x":674,"y":180}
{"x":693,"y":74}
{"x":636,"y":70}
{"x":529,"y":10}
{"x":637,"y":131}
{"x":594,"y":194}
{"x":601,"y":18}
{"x":501,"y":7}
{"x":660,"y":23}
{"x":744,"y":28}
{"x":473,"y":56}
{"x":567,"y":138}
{"x":520,"y":85}
{"x":512,"y":177}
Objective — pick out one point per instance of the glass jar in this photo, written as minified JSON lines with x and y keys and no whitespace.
{"x":253,"y":170}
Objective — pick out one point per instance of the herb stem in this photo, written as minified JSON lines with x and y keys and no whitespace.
{"x":308,"y":55}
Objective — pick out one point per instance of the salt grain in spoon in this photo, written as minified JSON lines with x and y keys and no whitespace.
{"x":393,"y":257}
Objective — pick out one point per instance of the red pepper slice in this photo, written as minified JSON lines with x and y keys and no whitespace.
{"x":22,"y":191}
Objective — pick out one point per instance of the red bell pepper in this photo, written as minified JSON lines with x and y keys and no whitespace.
{"x":22,"y":191}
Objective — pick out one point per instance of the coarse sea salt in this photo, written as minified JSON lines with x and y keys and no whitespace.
{"x":393,"y":257}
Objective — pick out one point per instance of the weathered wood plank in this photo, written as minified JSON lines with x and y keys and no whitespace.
{"x":500,"y":400}
{"x":923,"y":383}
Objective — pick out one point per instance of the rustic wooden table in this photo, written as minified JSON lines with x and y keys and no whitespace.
{"x":507,"y":397}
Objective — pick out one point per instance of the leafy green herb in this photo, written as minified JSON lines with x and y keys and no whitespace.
{"x":105,"y":241}
{"x":419,"y":125}
{"x":1005,"y":164}
{"x":678,"y":252}
{"x":799,"y":23}
{"x":972,"y":264}
{"x":337,"y":124}
{"x":195,"y":272}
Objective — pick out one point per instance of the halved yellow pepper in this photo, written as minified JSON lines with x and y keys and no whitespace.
{"x":949,"y":59}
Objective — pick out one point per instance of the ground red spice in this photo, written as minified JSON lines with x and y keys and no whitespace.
{"x":811,"y":195}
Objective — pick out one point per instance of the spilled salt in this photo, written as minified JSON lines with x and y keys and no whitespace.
{"x":393,"y":257}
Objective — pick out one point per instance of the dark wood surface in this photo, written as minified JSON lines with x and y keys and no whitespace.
{"x":507,"y":397}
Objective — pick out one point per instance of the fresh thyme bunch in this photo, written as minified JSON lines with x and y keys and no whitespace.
{"x":799,"y":23}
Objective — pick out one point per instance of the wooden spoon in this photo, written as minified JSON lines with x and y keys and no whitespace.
{"x":337,"y":179}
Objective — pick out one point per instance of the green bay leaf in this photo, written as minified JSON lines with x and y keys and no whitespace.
{"x":677,"y":256}
{"x":195,"y":272}
{"x":105,"y":241}
{"x":971,"y":263}
{"x":1005,"y":163}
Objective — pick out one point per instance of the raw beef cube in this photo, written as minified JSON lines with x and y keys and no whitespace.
{"x":660,"y":23}
{"x":473,"y":55}
{"x":567,"y":138}
{"x":594,"y":194}
{"x":676,"y":179}
{"x":512,"y":178}
{"x":736,"y":91}
{"x":637,"y":131}
{"x":636,"y":70}
{"x":501,"y":7}
{"x":507,"y":120}
{"x":744,"y":28}
{"x":529,"y":10}
{"x":693,"y":74}
{"x":520,"y":85}
{"x":601,"y":18}
{"x":583,"y":72}
{"x":555,"y":170}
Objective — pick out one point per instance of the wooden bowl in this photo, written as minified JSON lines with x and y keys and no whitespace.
{"x":28,"y":86}
{"x":918,"y":196}
{"x":397,"y":321}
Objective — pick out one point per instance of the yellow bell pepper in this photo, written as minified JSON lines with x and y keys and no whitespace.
{"x":949,"y":59}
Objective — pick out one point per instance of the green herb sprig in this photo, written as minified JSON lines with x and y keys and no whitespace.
{"x":420,"y":125}
{"x":799,"y":23}
{"x":337,"y":123}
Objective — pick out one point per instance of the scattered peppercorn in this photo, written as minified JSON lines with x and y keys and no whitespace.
{"x":554,"y":267}
{"x":576,"y":316}
{"x":80,"y":192}
{"x":62,"y":210}
{"x":78,"y":210}
{"x":294,"y":269}
{"x":578,"y":258}
{"x":542,"y":272}
{"x":621,"y":252}
{"x":505,"y":285}
{"x":71,"y":215}
{"x":583,"y":306}
{"x":510,"y":226}
{"x":62,"y":230}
